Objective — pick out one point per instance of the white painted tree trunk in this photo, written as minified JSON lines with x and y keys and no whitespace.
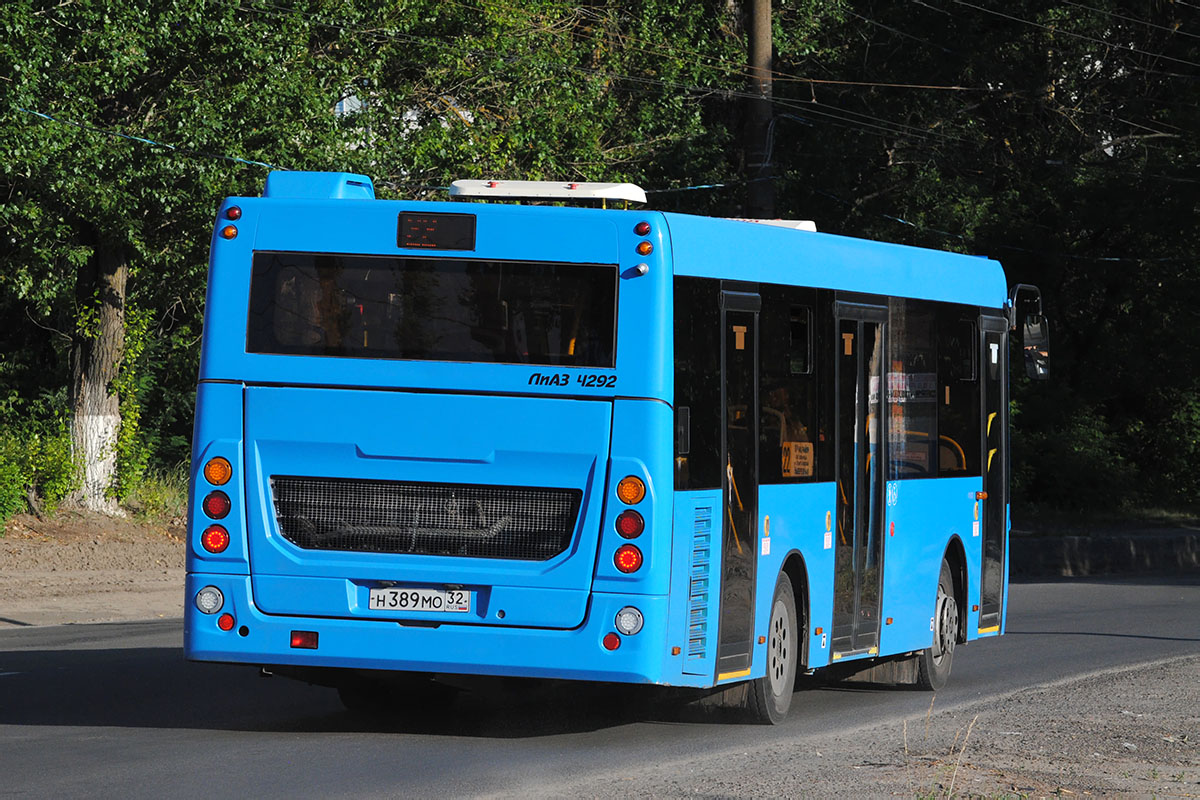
{"x":95,"y":360}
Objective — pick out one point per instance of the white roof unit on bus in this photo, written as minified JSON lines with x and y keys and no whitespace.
{"x":548,"y":190}
{"x":796,"y":224}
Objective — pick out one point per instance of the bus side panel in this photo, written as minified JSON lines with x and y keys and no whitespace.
{"x":800,"y":517}
{"x":922,"y":518}
{"x":695,"y":587}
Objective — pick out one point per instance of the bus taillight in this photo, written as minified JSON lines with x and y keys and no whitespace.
{"x":630,"y":524}
{"x":233,"y":212}
{"x":214,"y":539}
{"x":628,"y":558}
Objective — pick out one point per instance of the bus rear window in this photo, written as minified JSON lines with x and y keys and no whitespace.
{"x":433,"y":309}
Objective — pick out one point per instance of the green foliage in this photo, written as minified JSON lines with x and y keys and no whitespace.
{"x":160,"y":494}
{"x":35,"y":460}
{"x":133,"y":446}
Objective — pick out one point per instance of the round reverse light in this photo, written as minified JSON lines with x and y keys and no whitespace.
{"x":642,"y":228}
{"x":216,"y":505}
{"x":628,"y":558}
{"x":630,"y":524}
{"x":229,"y":232}
{"x":631,"y":490}
{"x":233,"y":212}
{"x":214,"y":539}
{"x":218,"y":471}
{"x":611,"y":641}
{"x":225,"y":622}
{"x":209,"y":600}
{"x":629,"y":620}
{"x":643,"y":248}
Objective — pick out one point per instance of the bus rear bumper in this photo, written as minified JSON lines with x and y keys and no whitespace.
{"x":469,"y":649}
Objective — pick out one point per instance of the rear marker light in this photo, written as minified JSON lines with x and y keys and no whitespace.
{"x":225,"y":622}
{"x":229,"y":232}
{"x":304,"y":640}
{"x":218,"y":471}
{"x":214,"y":539}
{"x":233,"y":212}
{"x":611,"y":641}
{"x":642,"y":228}
{"x":631,"y":490}
{"x":643,"y":248}
{"x":216,"y":505}
{"x":209,"y":600}
{"x":628,"y":558}
{"x":629,"y":620}
{"x":630,"y":524}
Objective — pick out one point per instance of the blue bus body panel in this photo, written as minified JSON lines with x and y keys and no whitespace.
{"x":923,"y":518}
{"x":523,"y":233}
{"x":695,"y":587}
{"x":428,"y":438}
{"x":720,"y":248}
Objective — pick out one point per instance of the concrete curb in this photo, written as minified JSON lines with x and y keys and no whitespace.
{"x":1149,"y":553}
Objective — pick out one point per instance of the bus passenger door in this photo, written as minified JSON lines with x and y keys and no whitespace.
{"x":993,"y":506}
{"x":860,"y":471}
{"x":739,"y":549}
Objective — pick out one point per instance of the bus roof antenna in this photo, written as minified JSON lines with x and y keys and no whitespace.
{"x":548,"y":190}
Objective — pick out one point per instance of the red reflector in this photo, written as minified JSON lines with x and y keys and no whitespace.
{"x":214,"y":539}
{"x":225,"y":622}
{"x":304,"y":640}
{"x":611,"y":641}
{"x":630,"y":524}
{"x":642,"y":228}
{"x":216,"y":505}
{"x":628,"y":558}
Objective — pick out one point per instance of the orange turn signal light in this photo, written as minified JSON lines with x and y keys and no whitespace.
{"x":631,"y":490}
{"x":643,"y":248}
{"x":218,"y":471}
{"x":229,"y":232}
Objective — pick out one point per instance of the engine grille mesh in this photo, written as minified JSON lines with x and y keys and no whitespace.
{"x":512,"y":522}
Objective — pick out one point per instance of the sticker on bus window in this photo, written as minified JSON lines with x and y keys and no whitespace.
{"x":797,"y":459}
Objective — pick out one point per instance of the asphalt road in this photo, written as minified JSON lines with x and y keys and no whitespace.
{"x":114,"y":710}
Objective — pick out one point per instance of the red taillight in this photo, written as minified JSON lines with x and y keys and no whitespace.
{"x":216,"y":505}
{"x":628,"y":558}
{"x":304,"y":640}
{"x":611,"y":641}
{"x":233,"y":212}
{"x":225,"y":622}
{"x":642,"y":228}
{"x":214,"y":539}
{"x":630,"y":524}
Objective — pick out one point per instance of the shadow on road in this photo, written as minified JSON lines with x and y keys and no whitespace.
{"x":155,"y":687}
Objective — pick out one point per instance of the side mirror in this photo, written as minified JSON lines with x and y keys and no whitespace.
{"x":1035,"y":340}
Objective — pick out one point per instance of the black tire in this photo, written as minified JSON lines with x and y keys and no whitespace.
{"x":933,"y":665}
{"x":768,"y":698}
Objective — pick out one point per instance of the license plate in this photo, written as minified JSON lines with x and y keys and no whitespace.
{"x":444,"y":601}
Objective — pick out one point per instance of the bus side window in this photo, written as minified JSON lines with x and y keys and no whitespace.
{"x":787,"y":391}
{"x":958,"y":393}
{"x":699,"y":427}
{"x":911,"y":390}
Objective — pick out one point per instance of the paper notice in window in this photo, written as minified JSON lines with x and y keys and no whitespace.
{"x":797,"y":459}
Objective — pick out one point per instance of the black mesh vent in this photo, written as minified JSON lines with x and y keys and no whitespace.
{"x":430,"y":519}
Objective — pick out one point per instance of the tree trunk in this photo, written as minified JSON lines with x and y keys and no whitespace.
{"x":96,"y":353}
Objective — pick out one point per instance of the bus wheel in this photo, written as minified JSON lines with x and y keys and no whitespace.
{"x":768,"y":698}
{"x":933,"y":665}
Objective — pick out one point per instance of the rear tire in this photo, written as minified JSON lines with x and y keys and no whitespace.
{"x":933,"y":664}
{"x":769,"y":698}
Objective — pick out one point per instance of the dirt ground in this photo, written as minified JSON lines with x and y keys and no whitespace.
{"x":81,"y":567}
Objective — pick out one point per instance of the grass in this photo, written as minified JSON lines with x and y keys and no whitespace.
{"x":161,"y":496}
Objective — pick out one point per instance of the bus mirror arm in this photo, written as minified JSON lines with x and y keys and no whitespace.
{"x":1035,"y":330}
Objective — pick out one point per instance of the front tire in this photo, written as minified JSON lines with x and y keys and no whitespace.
{"x":933,"y":665}
{"x":769,"y":698}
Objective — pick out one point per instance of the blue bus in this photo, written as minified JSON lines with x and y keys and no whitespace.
{"x":502,"y":438}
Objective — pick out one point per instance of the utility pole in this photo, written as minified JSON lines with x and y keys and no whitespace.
{"x":760,"y":199}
